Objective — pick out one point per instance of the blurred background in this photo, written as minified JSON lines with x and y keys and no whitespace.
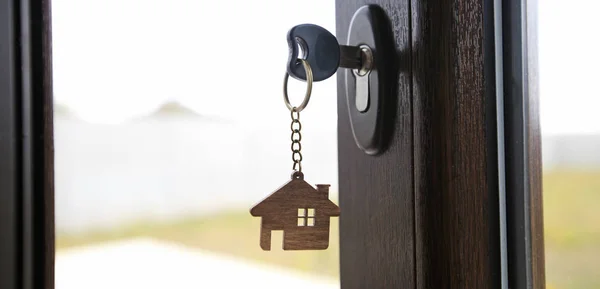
{"x":161,"y":149}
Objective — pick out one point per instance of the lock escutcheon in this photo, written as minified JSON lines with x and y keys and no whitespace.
{"x":371,"y":115}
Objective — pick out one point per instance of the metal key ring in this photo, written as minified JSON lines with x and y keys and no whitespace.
{"x":309,"y":81}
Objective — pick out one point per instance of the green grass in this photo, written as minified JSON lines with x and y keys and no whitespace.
{"x":571,"y":221}
{"x":572,"y":228}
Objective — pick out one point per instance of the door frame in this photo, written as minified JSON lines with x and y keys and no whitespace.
{"x":523,"y":156}
{"x":26,"y":146}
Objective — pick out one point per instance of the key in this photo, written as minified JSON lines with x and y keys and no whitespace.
{"x":322,"y":51}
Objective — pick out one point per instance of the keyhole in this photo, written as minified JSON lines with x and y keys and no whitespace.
{"x":302,"y":49}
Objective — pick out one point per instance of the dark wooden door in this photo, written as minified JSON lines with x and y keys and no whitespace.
{"x":377,"y":193}
{"x":430,"y":212}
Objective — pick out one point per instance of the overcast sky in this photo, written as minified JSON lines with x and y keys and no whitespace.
{"x":117,"y":59}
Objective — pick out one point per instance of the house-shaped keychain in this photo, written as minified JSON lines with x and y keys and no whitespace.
{"x":301,"y":211}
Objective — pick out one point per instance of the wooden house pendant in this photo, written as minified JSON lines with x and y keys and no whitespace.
{"x":298,"y":209}
{"x":301,"y":211}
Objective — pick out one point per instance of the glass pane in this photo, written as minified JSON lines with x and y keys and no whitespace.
{"x":170,"y":125}
{"x":301,"y":212}
{"x":569,"y":95}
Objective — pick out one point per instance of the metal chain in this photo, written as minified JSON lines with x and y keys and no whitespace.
{"x":296,"y":137}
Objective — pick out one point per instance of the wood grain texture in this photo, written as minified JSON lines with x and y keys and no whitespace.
{"x":444,"y":147}
{"x":534,"y":151}
{"x":376,"y":192}
{"x":454,"y":138}
{"x":300,"y":211}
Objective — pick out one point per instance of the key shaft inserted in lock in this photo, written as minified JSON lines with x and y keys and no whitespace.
{"x":351,"y":57}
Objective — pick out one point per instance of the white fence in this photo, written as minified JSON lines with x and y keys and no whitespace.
{"x":162,"y":168}
{"x":571,"y":151}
